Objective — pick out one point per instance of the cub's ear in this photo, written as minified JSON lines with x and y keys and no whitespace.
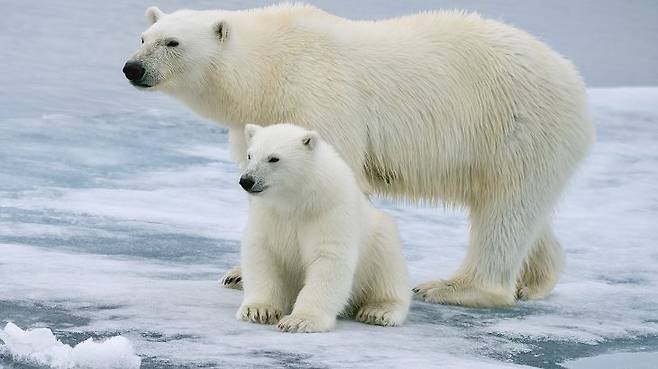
{"x":310,"y":139}
{"x":222,"y":31}
{"x":153,"y":14}
{"x":250,"y":130}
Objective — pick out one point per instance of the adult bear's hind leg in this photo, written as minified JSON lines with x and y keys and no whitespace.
{"x":502,"y":233}
{"x":542,"y":268}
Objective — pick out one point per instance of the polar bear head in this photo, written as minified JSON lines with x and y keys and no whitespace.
{"x":281,"y":159}
{"x":178,"y":50}
{"x":229,"y":66}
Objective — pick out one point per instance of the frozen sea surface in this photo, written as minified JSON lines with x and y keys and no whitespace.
{"x":119,"y":210}
{"x":120,"y":224}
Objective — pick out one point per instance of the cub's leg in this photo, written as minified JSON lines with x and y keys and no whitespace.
{"x":266,"y":295}
{"x":330,"y":260}
{"x":542,"y":268}
{"x":381,"y":288}
{"x":325,"y":293}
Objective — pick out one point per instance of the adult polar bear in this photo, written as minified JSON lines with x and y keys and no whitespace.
{"x":438,"y":106}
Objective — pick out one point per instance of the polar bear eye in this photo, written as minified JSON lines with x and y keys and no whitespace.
{"x":142,"y":40}
{"x":248,"y":156}
{"x":172,"y":43}
{"x":272,"y":159}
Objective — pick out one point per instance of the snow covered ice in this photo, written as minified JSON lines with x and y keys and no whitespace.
{"x":39,"y":346}
{"x":119,"y":210}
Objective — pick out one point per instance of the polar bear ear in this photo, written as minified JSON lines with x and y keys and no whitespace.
{"x":310,"y":139}
{"x":250,"y":130}
{"x":222,"y":31}
{"x":153,"y":14}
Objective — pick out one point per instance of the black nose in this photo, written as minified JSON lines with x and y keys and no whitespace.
{"x":247,"y":182}
{"x":133,"y":71}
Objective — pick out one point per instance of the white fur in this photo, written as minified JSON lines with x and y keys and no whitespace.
{"x":437,"y":106}
{"x":314,"y":245}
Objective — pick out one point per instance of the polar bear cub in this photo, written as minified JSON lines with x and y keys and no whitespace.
{"x":314,"y":246}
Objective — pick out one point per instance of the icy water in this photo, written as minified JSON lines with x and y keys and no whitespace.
{"x":120,"y":209}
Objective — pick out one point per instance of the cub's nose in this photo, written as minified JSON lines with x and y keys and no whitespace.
{"x":133,"y":71}
{"x":247,"y":182}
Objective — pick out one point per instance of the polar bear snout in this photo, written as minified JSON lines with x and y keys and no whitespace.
{"x":250,"y":185}
{"x":134,"y":71}
{"x":247,"y":182}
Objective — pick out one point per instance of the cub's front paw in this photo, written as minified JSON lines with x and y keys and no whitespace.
{"x":303,"y":323}
{"x":259,"y":313}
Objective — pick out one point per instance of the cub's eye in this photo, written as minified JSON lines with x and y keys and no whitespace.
{"x":142,"y":39}
{"x":172,"y":43}
{"x":273,"y":159}
{"x":248,"y":156}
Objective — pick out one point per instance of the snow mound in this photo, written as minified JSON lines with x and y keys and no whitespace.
{"x":40,"y":346}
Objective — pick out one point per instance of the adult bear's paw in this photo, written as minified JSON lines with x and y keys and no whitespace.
{"x":464,"y":294}
{"x":232,"y":279}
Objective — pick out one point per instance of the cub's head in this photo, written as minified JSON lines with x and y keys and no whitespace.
{"x":280,"y":159}
{"x":178,"y":49}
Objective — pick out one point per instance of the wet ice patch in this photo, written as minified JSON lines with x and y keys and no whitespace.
{"x":40,"y":346}
{"x":639,"y":360}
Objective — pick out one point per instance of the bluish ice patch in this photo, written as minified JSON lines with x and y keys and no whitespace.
{"x":81,"y":151}
{"x":38,"y":314}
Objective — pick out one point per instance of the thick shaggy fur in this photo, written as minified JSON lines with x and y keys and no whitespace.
{"x":314,"y":245}
{"x":433,"y":107}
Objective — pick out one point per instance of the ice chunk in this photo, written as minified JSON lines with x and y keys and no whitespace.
{"x":40,"y":346}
